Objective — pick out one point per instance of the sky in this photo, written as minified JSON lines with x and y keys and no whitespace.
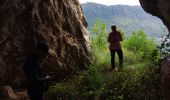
{"x":113,"y":2}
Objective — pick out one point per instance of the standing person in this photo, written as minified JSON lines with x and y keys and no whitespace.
{"x":114,"y":39}
{"x":37,"y":82}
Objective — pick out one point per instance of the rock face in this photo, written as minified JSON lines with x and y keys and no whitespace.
{"x":165,"y":78}
{"x":161,"y":8}
{"x":59,"y":23}
{"x":7,"y":93}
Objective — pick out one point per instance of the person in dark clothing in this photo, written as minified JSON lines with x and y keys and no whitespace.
{"x":114,"y":39}
{"x":37,"y":82}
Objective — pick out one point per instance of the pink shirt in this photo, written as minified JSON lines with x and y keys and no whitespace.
{"x":114,"y":39}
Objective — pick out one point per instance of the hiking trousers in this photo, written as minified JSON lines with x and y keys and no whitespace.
{"x":120,"y":55}
{"x":35,"y":93}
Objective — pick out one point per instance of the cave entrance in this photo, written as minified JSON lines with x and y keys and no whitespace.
{"x":141,"y":49}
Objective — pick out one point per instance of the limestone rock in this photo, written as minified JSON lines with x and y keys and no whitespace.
{"x":23,"y":95}
{"x":60,"y":23}
{"x":165,"y":78}
{"x":159,"y":8}
{"x":7,"y":93}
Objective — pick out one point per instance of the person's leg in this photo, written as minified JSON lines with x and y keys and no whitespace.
{"x":31,"y":94}
{"x":35,"y":95}
{"x":120,"y":55}
{"x":112,"y":58}
{"x":40,"y":96}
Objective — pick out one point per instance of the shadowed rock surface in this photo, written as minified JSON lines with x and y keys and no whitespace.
{"x":161,"y":8}
{"x":165,"y":78}
{"x":6,"y":93}
{"x":59,"y":23}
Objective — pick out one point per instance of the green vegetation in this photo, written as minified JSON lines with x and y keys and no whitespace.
{"x":140,"y":45}
{"x":139,"y":79}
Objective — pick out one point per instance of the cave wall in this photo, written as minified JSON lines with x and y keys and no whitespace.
{"x":59,"y":23}
{"x":161,"y":9}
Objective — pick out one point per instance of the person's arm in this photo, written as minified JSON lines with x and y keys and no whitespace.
{"x":120,"y":36}
{"x":41,"y":79}
{"x":35,"y":74}
{"x":109,"y":39}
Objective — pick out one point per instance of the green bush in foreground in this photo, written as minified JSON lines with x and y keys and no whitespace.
{"x":132,"y":83}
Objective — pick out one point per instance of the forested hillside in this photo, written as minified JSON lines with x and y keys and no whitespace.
{"x":129,"y":18}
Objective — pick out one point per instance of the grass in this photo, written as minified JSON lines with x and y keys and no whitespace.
{"x":137,"y":81}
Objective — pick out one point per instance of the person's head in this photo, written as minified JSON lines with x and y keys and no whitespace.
{"x":42,"y":50}
{"x":113,"y":27}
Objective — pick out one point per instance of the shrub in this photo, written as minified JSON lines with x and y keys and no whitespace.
{"x":140,"y":45}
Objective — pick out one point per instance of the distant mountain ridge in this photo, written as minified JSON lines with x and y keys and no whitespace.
{"x":129,"y":18}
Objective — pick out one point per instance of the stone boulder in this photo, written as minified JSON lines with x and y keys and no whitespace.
{"x":165,"y":78}
{"x":161,"y":9}
{"x":59,"y":23}
{"x":7,"y":93}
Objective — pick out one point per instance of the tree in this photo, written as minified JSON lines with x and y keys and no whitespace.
{"x":99,"y":35}
{"x":140,"y":44}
